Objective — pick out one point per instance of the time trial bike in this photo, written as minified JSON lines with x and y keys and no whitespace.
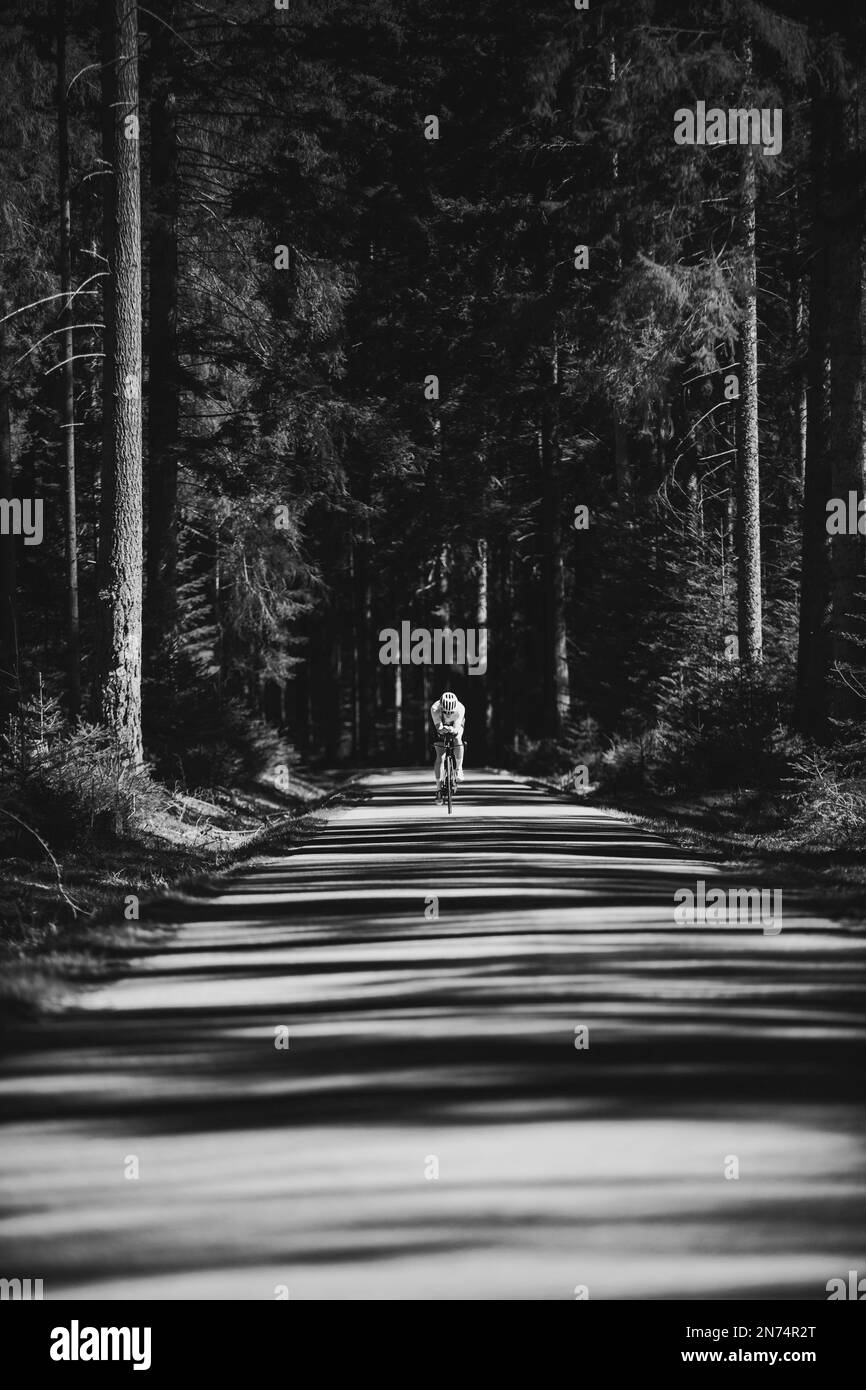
{"x":448,"y":778}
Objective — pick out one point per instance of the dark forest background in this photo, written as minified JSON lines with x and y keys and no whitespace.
{"x":231,"y":264}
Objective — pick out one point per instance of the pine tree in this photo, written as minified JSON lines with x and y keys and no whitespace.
{"x":120,"y":694}
{"x":67,"y":356}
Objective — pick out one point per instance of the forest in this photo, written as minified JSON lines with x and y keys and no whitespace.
{"x":541,"y":324}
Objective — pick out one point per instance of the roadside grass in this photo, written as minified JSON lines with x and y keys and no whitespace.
{"x":753,"y":833}
{"x":64,"y":923}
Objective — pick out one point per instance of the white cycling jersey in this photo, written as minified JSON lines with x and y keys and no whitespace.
{"x":454,"y":721}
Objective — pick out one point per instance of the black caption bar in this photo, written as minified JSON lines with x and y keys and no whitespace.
{"x":154,"y":1342}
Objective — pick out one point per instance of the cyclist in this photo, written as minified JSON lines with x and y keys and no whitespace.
{"x":448,"y":713}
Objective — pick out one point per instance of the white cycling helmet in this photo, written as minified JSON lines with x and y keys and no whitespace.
{"x":448,"y":702}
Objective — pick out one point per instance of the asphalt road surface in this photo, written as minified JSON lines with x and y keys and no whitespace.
{"x":432,"y":1057}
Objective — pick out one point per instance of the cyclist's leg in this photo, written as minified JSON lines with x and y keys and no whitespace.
{"x":458,"y":757}
{"x":437,"y":766}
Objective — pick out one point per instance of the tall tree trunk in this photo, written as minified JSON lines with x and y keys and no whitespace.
{"x":505,"y":665}
{"x":108,"y":117}
{"x":329,"y":696}
{"x":494,"y":683}
{"x":749,"y":568}
{"x":163,"y":395}
{"x":443,"y":581}
{"x":482,"y":622}
{"x":556,"y":694}
{"x":9,"y":674}
{"x":365,"y":689}
{"x":398,"y":709}
{"x":121,"y":693}
{"x":363,"y":621}
{"x":622,"y":459}
{"x":621,"y":453}
{"x":813,"y":654}
{"x":73,"y":640}
{"x":423,"y":726}
{"x":799,"y":349}
{"x":846,"y":404}
{"x":299,"y":725}
{"x":515,"y":590}
{"x":355,"y":640}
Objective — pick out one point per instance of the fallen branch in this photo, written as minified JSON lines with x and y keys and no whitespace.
{"x":76,"y":907}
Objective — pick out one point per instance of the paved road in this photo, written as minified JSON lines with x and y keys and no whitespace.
{"x":432,"y":1131}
